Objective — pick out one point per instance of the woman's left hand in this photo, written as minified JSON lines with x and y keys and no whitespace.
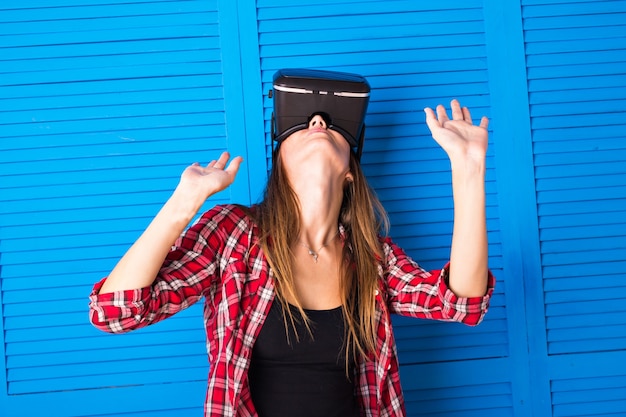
{"x":466,"y":146}
{"x":459,"y":137}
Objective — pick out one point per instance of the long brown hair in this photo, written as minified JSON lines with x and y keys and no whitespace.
{"x":363,"y":218}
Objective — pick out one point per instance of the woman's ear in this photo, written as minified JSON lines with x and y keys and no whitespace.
{"x":349,"y":177}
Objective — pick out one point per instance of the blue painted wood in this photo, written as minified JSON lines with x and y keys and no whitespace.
{"x":520,"y":251}
{"x":111,"y":112}
{"x":130,"y":122}
{"x":111,"y":369}
{"x":430,"y":391}
{"x":573,"y":9}
{"x":343,"y":33}
{"x":85,"y":11}
{"x":120,"y":98}
{"x":574,"y":58}
{"x":581,"y":194}
{"x":283,"y":3}
{"x":151,"y":336}
{"x":312,"y":10}
{"x":38,"y":4}
{"x":116,"y":105}
{"x":234,"y":97}
{"x":119,"y":400}
{"x":118,"y":35}
{"x":99,"y":23}
{"x":97,"y":87}
{"x":124,"y":137}
{"x":100,"y":125}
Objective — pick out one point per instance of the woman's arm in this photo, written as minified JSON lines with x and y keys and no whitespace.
{"x":139,"y":266}
{"x":466,"y":146}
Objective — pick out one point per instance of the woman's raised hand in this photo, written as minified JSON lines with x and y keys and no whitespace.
{"x":197,"y":182}
{"x":466,"y":146}
{"x":458,"y":136}
{"x":140,"y":265}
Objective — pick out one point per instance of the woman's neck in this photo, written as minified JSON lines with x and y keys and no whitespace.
{"x":319,"y":210}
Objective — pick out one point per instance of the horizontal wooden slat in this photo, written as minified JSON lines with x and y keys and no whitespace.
{"x":582,"y":232}
{"x":180,"y":157}
{"x":572,"y":58}
{"x":104,"y":368}
{"x":353,"y":59}
{"x":588,"y":145}
{"x":87,"y":11}
{"x":107,"y":355}
{"x":110,"y":48}
{"x":104,"y":125}
{"x":106,"y":101}
{"x":110,"y":73}
{"x":156,"y":335}
{"x":582,"y":270}
{"x":590,"y":319}
{"x":561,"y":34}
{"x":578,"y":307}
{"x":104,"y":23}
{"x":567,"y":296}
{"x":109,"y":113}
{"x":112,"y":34}
{"x":579,"y":70}
{"x":120,"y":85}
{"x":556,"y":84}
{"x":330,"y":48}
{"x":605,"y":205}
{"x":105,"y":381}
{"x":293,"y":13}
{"x":573,"y":8}
{"x":392,"y":31}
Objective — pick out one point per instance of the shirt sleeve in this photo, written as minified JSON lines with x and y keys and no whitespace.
{"x":188,"y":270}
{"x":413,"y":291}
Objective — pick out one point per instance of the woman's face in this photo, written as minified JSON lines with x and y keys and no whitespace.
{"x":316,"y":148}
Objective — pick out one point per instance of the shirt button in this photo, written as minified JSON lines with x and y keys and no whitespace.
{"x":376,"y":292}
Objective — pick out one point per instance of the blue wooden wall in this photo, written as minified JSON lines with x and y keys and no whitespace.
{"x":104,"y":102}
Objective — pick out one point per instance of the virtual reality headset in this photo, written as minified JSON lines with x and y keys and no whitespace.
{"x":340,"y":98}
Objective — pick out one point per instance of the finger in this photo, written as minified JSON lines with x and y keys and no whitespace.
{"x":221,"y":162}
{"x":233,"y":167}
{"x":210,"y":164}
{"x":431,"y":120}
{"x":467,"y":116}
{"x":442,"y":116}
{"x":457,"y":113}
{"x":430,"y":114}
{"x":484,"y":122}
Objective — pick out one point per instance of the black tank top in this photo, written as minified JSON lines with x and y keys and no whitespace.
{"x":305,"y":378}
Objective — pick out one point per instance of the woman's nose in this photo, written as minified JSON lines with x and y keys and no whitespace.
{"x":317,"y":121}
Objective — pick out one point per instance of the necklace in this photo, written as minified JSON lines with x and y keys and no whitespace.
{"x":316,"y":253}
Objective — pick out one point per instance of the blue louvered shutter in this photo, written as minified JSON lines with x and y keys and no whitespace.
{"x":414,"y":55}
{"x":576,"y":57}
{"x":103,"y":104}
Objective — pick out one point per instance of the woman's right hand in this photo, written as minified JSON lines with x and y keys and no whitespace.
{"x":197,"y":182}
{"x":140,"y":265}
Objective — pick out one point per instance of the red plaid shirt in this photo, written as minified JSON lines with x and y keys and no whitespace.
{"x":217,"y":258}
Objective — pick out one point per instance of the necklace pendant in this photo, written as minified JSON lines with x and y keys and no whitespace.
{"x":314,"y":255}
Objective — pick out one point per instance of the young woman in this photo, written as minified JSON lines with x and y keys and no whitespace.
{"x":299,"y":288}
